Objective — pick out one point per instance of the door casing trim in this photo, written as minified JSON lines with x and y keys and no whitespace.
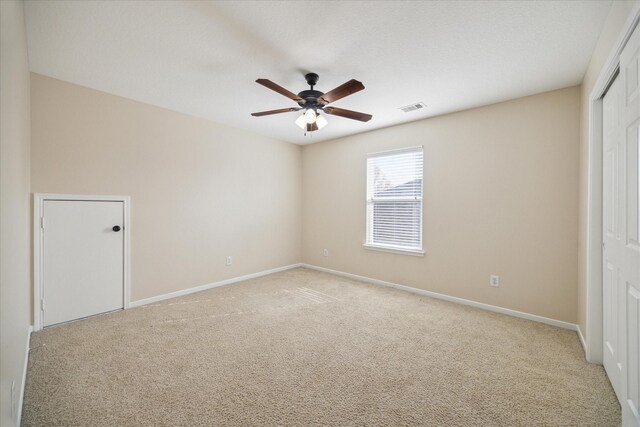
{"x":38,"y":205}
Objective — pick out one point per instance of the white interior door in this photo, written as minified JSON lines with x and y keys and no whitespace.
{"x":621,"y":232}
{"x":82,"y":259}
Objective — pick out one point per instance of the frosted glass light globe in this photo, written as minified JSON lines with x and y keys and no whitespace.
{"x":310,"y":116}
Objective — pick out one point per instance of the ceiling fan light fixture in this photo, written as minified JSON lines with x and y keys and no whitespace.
{"x":313,"y":102}
{"x":321,"y":121}
{"x":301,"y":122}
{"x":310,"y":116}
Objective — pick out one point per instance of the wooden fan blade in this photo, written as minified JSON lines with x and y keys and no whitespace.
{"x":282,"y":91}
{"x":346,"y":89}
{"x":312,"y":127}
{"x":354,"y":115}
{"x":282,"y":110}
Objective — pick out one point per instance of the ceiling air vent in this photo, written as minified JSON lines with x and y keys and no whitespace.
{"x":413,"y":107}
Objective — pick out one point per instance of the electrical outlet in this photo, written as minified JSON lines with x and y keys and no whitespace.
{"x":325,"y":252}
{"x":229,"y":260}
{"x":494,"y":281}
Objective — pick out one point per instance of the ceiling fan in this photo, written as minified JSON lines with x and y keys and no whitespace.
{"x":314,"y":102}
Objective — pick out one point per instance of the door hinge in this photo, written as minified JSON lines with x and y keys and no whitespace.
{"x":42,"y":222}
{"x":42,"y":304}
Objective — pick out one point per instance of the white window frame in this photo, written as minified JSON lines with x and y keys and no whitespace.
{"x":369,"y":216}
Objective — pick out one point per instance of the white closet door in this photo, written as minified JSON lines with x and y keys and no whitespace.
{"x":613,"y":294}
{"x":83,"y":259}
{"x":621,"y":231}
{"x":630,"y":229}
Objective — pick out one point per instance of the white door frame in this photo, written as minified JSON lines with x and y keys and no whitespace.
{"x":593,"y":334}
{"x":38,"y":205}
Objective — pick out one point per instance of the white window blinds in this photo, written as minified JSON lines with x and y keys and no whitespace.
{"x":394,"y":199}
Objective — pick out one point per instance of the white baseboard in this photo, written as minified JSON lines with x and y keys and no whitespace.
{"x":496,"y":309}
{"x":582,"y":340}
{"x":204,"y":287}
{"x":24,"y":375}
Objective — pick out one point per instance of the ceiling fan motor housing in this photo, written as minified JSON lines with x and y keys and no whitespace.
{"x":310,"y":97}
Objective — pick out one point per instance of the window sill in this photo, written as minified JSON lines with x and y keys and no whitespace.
{"x":392,"y":249}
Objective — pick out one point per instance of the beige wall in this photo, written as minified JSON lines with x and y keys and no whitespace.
{"x":199,"y":191}
{"x":15,"y":263}
{"x":500,"y":198}
{"x":522,"y":228}
{"x":618,"y":15}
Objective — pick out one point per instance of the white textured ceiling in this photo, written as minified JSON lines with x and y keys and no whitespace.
{"x":202,"y":58}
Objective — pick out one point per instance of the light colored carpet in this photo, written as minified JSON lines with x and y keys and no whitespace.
{"x":308,"y":348}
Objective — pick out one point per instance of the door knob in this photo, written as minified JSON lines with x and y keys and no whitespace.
{"x":116,"y":228}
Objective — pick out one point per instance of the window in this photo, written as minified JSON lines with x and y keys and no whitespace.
{"x":394,"y":200}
